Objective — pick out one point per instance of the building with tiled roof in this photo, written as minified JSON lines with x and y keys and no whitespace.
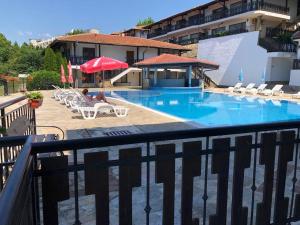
{"x":137,"y":31}
{"x":176,"y":61}
{"x":83,"y":47}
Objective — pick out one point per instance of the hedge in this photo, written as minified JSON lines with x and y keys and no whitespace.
{"x":43,"y":80}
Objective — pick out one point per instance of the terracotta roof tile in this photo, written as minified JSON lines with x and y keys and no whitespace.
{"x":119,"y":40}
{"x":175,"y":59}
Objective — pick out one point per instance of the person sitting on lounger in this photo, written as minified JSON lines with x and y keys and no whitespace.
{"x":85,"y":93}
{"x":101,"y":97}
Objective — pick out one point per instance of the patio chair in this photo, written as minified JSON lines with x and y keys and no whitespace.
{"x":243,"y":90}
{"x":235,"y":88}
{"x":89,"y":113}
{"x":258,"y":90}
{"x":276,"y":90}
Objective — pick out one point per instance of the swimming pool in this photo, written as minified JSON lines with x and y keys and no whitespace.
{"x":211,"y":109}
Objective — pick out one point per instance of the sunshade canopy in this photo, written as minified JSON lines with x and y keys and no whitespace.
{"x":102,"y":64}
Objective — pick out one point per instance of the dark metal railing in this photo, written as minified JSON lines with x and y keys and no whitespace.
{"x":130,"y":176}
{"x":16,"y":199}
{"x":296,"y":64}
{"x":246,"y":7}
{"x":273,"y":45}
{"x":15,"y":120}
{"x":207,"y":36}
{"x":78,"y":60}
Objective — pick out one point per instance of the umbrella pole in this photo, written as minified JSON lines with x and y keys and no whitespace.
{"x":103,"y":79}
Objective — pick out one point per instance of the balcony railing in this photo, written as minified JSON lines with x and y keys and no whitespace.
{"x":231,"y":175}
{"x":247,"y":7}
{"x":78,"y":60}
{"x":203,"y":37}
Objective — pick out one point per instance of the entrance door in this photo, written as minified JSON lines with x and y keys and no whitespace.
{"x":130,"y":57}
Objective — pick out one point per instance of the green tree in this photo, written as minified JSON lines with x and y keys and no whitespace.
{"x":145,"y":22}
{"x":26,"y":60}
{"x":5,"y":49}
{"x":76,"y":31}
{"x":60,"y":60}
{"x":43,"y":80}
{"x":50,"y":60}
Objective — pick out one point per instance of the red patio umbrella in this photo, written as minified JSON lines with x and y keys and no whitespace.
{"x":70,"y":78}
{"x":102,"y":64}
{"x":62,"y":74}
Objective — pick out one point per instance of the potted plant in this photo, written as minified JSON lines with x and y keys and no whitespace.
{"x":35,"y":99}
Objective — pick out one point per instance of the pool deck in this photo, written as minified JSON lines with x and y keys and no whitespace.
{"x":139,"y":119}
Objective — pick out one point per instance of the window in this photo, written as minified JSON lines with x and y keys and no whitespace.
{"x":236,"y":8}
{"x":195,"y":36}
{"x":236,"y":28}
{"x":183,"y":38}
{"x":193,"y":20}
{"x":219,"y":30}
{"x":219,"y":10}
{"x":88,"y":53}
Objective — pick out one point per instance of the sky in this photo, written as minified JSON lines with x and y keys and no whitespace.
{"x":21,"y":20}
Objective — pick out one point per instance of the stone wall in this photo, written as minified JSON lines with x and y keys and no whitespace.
{"x":193,"y":53}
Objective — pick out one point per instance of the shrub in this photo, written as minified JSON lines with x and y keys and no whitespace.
{"x":34,"y":95}
{"x":43,"y":80}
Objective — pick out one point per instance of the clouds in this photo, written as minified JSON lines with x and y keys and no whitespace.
{"x":30,"y":34}
{"x":24,"y":33}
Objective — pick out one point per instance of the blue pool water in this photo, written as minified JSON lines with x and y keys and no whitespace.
{"x":211,"y":109}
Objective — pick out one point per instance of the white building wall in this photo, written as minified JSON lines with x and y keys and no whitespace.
{"x":295,"y":78}
{"x":133,"y":78}
{"x":233,"y":53}
{"x":280,"y":69}
{"x":116,"y":52}
{"x":79,"y":48}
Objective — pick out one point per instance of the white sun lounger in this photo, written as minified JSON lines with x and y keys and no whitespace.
{"x":243,"y":90}
{"x":296,"y":96}
{"x":235,"y":88}
{"x":258,"y":90}
{"x":275,"y":91}
{"x":89,"y":113}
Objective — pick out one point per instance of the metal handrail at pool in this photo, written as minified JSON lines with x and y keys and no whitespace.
{"x":242,"y":160}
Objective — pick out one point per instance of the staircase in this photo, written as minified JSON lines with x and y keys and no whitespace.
{"x":125,"y":72}
{"x":208,"y":82}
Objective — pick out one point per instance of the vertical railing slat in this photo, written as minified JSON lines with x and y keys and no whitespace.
{"x":285,"y":155}
{"x":266,"y":158}
{"x":96,"y":183}
{"x":191,"y":167}
{"x":55,"y":187}
{"x":242,"y":160}
{"x":130,"y":177}
{"x":220,"y":166}
{"x":165,"y":174}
